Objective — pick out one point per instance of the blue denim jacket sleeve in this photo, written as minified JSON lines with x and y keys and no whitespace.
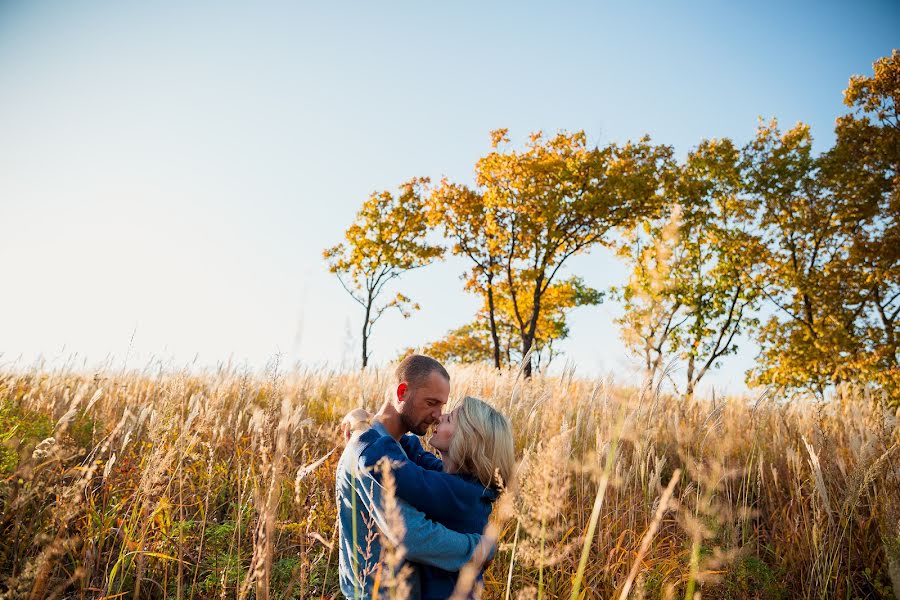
{"x":425,"y":541}
{"x":433,"y":544}
{"x":416,"y":453}
{"x":441,"y":496}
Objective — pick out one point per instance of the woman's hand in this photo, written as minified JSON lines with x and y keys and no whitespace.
{"x":357,"y":419}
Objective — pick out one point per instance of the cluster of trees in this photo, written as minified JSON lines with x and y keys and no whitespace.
{"x":800,"y":250}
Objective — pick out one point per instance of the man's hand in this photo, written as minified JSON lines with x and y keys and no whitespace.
{"x":357,"y":419}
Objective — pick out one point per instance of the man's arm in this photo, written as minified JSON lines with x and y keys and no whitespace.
{"x":425,"y":541}
{"x":441,"y":496}
{"x":433,"y":544}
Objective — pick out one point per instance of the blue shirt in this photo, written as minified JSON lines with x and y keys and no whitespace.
{"x":361,"y":522}
{"x":459,"y":502}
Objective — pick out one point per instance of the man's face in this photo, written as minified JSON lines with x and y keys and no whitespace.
{"x":421,"y":407}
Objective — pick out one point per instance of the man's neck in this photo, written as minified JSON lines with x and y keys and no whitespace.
{"x":390,"y":419}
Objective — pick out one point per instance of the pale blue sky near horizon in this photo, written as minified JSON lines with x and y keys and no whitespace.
{"x":170,"y":172}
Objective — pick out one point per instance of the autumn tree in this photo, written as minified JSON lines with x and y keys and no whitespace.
{"x":804,"y":231}
{"x":688,"y":295}
{"x":556,"y":198}
{"x":475,"y":232}
{"x":865,"y":165}
{"x":467,"y":344}
{"x":823,"y":268}
{"x":651,"y":298}
{"x":719,"y":257}
{"x":472,"y":342}
{"x":386,"y":239}
{"x":829,"y":227}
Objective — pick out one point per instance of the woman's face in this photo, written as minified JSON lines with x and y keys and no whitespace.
{"x":446,"y":427}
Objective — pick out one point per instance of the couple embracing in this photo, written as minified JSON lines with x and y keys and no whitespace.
{"x":444,"y":503}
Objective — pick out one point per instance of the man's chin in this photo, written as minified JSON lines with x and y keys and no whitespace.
{"x":421,"y":430}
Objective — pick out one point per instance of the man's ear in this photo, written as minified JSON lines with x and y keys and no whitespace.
{"x":401,"y":391}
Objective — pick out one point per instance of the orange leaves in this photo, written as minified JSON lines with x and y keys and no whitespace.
{"x":877,"y":94}
{"x":533,"y":209}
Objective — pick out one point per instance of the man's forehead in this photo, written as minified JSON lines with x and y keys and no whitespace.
{"x":433,"y":386}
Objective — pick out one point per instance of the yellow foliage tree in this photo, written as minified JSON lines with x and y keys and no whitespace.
{"x":829,"y":229}
{"x":554,"y":199}
{"x":865,"y":165}
{"x":688,"y":295}
{"x":473,"y":342}
{"x":472,"y":226}
{"x":386,"y":240}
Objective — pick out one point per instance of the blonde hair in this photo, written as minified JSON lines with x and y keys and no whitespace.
{"x":482,"y":445}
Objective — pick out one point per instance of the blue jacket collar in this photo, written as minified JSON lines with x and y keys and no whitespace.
{"x":379,"y":427}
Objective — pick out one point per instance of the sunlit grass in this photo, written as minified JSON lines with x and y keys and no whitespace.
{"x":180,"y":485}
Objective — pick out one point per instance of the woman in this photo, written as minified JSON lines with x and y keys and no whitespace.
{"x":459,"y":489}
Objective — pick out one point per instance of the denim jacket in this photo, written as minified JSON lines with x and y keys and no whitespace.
{"x":456,"y":500}
{"x":361,"y":516}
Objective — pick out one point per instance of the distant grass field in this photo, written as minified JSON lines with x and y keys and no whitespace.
{"x":175,"y":485}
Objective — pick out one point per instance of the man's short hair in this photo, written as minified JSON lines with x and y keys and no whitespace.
{"x":415,"y":368}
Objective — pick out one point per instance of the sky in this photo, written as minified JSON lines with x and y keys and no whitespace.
{"x":170,"y":172}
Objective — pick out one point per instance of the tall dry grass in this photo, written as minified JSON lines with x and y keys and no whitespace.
{"x":173,"y":485}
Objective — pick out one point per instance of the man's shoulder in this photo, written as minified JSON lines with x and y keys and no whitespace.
{"x":366,"y":448}
{"x":360,"y":444}
{"x":360,"y":455}
{"x":374,"y":445}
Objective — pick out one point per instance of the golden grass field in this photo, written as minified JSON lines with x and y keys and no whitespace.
{"x":221,"y":485}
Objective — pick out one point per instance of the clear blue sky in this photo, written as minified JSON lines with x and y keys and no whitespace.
{"x":173,"y":170}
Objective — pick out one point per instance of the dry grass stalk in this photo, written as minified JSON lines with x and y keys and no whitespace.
{"x":207,"y":485}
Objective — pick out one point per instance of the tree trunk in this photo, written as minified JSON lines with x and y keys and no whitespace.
{"x":493,"y":321}
{"x":689,"y":390}
{"x":528,"y":336}
{"x":365,"y":336}
{"x":653,"y":367}
{"x":527,"y":342}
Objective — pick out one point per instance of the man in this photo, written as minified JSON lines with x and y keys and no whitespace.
{"x":423,"y":388}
